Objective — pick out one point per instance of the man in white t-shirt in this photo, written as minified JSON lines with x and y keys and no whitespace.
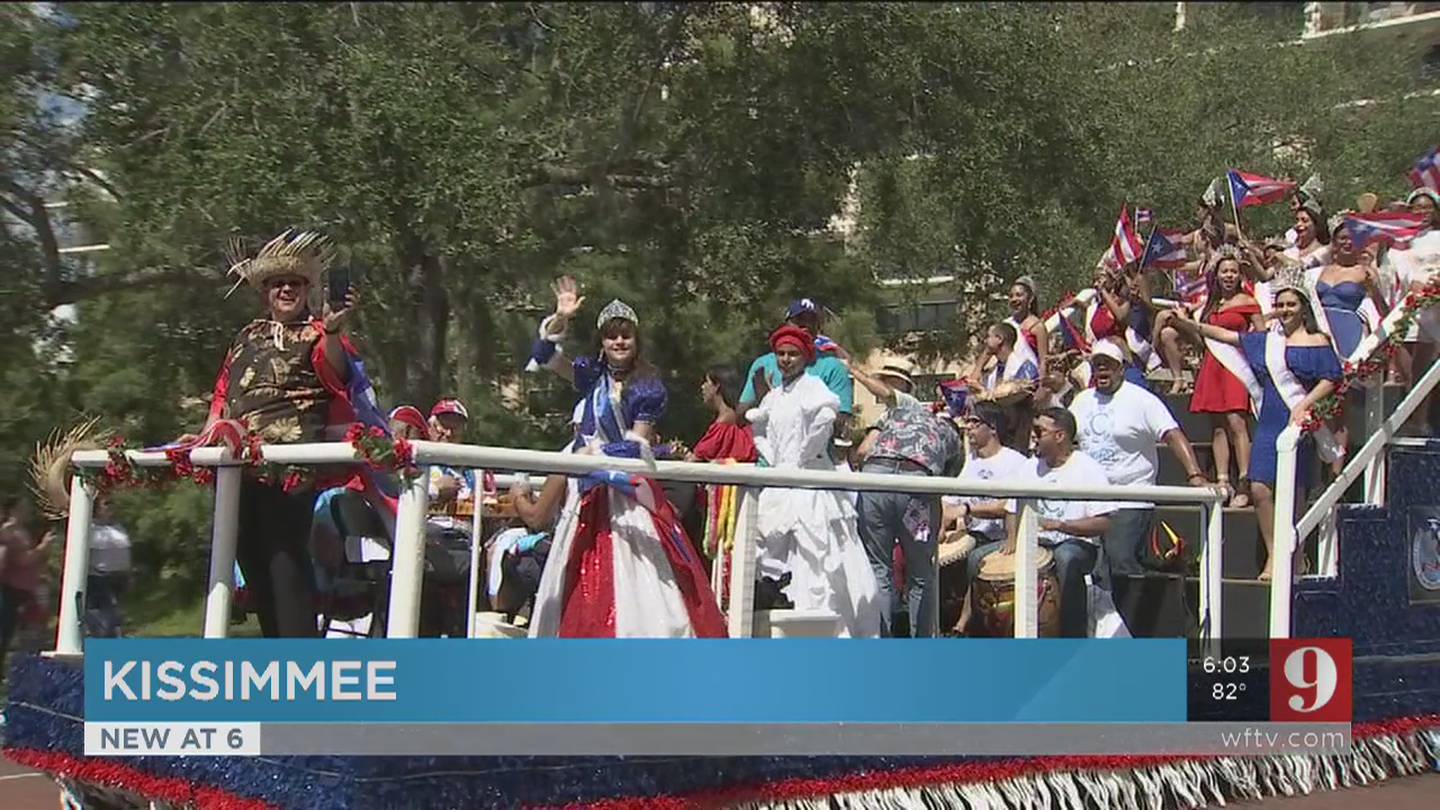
{"x":1071,"y":530}
{"x":1121,"y":427}
{"x":982,"y":516}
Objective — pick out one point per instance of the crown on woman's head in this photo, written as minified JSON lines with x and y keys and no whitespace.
{"x":1291,"y":277}
{"x":616,"y":309}
{"x":1338,"y":220}
{"x":1228,"y":251}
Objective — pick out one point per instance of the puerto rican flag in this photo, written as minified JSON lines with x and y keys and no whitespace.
{"x":1252,"y":189}
{"x":1396,"y":228}
{"x":1166,"y":250}
{"x":1126,"y":245}
{"x":1143,"y":218}
{"x":1190,"y":290}
{"x":1426,"y":173}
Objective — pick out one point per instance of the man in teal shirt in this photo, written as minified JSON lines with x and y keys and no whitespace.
{"x":805,"y":313}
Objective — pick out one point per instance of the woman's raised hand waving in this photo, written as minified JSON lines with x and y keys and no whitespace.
{"x":568,"y":299}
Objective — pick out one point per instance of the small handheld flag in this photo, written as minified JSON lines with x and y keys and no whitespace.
{"x":1126,"y":246}
{"x":1426,"y":173}
{"x":1252,"y":189}
{"x":1165,"y":251}
{"x":1395,"y":228}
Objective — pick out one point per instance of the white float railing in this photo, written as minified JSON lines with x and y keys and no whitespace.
{"x":407,"y":555}
{"x":1368,"y":461}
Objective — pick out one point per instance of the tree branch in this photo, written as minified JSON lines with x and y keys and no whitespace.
{"x":82,"y":289}
{"x":39,"y":219}
{"x":551,"y":175}
{"x":66,"y":163}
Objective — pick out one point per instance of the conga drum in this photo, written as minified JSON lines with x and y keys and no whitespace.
{"x":954,"y":548}
{"x":995,"y":594}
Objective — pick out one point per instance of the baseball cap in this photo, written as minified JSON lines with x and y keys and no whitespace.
{"x":454,"y":406}
{"x":800,"y":306}
{"x":1104,"y":348}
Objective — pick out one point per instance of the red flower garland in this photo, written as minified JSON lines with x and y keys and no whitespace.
{"x":382,"y":453}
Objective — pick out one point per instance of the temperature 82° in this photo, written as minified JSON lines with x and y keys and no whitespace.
{"x":1226,"y":690}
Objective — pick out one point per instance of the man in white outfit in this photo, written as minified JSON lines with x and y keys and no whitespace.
{"x":809,"y":534}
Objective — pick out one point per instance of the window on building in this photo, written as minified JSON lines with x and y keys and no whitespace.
{"x":933,"y":316}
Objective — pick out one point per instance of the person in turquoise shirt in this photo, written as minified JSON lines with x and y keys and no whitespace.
{"x":805,"y":313}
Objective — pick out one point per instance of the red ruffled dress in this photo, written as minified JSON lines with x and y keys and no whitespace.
{"x":1216,"y":389}
{"x":724,"y":441}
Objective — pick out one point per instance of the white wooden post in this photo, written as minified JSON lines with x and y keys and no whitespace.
{"x":224,"y":536}
{"x":1212,"y":517}
{"x":1027,"y":620}
{"x":742,"y":565}
{"x":477,"y":540}
{"x":407,"y":560}
{"x":1374,"y":424}
{"x":1282,"y":555}
{"x":69,"y":638}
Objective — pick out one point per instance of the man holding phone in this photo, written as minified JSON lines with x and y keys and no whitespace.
{"x":286,"y":380}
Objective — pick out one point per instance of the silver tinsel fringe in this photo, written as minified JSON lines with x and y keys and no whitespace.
{"x":1184,"y":784}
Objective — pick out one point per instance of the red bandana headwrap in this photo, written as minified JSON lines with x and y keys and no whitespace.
{"x":410,"y":415}
{"x":795,"y":336}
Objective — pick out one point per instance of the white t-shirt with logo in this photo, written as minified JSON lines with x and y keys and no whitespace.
{"x":1122,"y":432}
{"x":1004,"y":465}
{"x":1078,"y":470}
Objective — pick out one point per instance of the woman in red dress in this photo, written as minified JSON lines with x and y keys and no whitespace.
{"x":725,"y":439}
{"x":1218,"y":392}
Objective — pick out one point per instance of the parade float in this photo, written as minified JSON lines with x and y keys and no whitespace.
{"x":1377,"y":583}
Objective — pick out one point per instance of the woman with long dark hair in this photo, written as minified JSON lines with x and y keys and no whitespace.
{"x":1218,"y":392}
{"x":1024,"y":301}
{"x":726,"y":438}
{"x":621,"y":565}
{"x":1288,"y":372}
{"x":1311,"y":249}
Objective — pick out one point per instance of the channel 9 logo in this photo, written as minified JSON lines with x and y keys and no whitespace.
{"x":1310,"y":680}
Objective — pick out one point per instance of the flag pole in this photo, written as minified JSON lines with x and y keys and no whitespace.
{"x":1235,"y":212}
{"x":1145,"y":252}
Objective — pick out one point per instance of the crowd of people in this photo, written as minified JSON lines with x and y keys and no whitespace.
{"x":616,"y":555}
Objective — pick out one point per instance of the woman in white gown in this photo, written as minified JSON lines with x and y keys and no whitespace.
{"x":621,"y":565}
{"x":812,"y":534}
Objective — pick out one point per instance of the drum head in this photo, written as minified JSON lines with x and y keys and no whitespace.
{"x":955,"y":546}
{"x":1001,"y":566}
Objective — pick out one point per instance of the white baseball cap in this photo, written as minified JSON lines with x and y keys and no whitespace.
{"x":1105,"y":348}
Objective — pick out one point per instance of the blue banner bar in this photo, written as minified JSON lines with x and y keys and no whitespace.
{"x":636,"y":681}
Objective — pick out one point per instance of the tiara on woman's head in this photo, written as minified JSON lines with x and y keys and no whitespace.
{"x":1228,"y":251}
{"x":1338,"y":220}
{"x":616,"y":310}
{"x":1291,"y":277}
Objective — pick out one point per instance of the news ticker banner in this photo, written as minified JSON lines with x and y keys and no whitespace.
{"x":701,"y":697}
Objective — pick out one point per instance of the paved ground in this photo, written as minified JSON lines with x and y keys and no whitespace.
{"x":22,"y":789}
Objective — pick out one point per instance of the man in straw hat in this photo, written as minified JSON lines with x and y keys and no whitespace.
{"x":286,"y":380}
{"x":911,"y":440}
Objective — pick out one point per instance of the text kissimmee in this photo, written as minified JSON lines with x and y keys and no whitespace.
{"x":275,"y":680}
